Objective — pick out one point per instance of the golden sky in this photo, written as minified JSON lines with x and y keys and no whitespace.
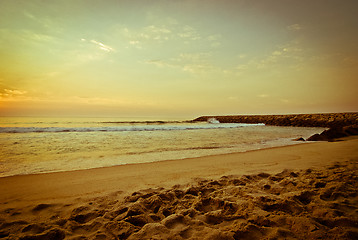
{"x":177,"y":58}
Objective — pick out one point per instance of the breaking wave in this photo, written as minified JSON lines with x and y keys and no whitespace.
{"x":122,"y":128}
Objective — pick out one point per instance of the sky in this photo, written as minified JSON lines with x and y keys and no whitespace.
{"x":177,"y":58}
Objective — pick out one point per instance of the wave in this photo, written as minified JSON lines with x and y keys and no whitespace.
{"x":122,"y":128}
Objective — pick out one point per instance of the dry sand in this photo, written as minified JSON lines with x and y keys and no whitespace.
{"x":306,"y":191}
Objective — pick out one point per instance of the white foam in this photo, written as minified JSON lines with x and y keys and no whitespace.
{"x":213,"y":121}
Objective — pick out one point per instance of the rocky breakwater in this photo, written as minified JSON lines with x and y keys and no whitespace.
{"x":299,"y":120}
{"x":339,"y":124}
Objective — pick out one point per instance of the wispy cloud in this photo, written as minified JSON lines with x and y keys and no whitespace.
{"x":187,"y":62}
{"x":26,"y":37}
{"x":295,"y":27}
{"x":102,"y":46}
{"x":290,"y":51}
{"x":137,"y":38}
{"x":12,"y":94}
{"x":189,"y":33}
{"x":288,"y":54}
{"x":197,"y":68}
{"x":166,"y":32}
{"x":29,"y":15}
{"x":45,"y":22}
{"x":156,"y":29}
{"x":194,"y":57}
{"x":99,"y":45}
{"x":160,"y":63}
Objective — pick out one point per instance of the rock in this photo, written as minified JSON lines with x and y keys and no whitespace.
{"x":299,"y":139}
{"x":351,"y":130}
{"x":333,"y":133}
{"x":315,"y":137}
{"x":329,"y":135}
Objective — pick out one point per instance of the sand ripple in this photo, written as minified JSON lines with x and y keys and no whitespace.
{"x":310,"y":204}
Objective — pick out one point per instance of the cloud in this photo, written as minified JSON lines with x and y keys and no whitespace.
{"x":12,"y":95}
{"x":160,"y":63}
{"x":29,"y":15}
{"x":14,"y":92}
{"x":295,"y":27}
{"x":277,"y":53}
{"x":47,"y":23}
{"x":194,"y":57}
{"x":155,"y":29}
{"x":164,"y":32}
{"x":148,"y":34}
{"x":86,"y":54}
{"x":189,"y":33}
{"x":195,"y":62}
{"x":187,"y":62}
{"x":157,"y":33}
{"x":179,"y":35}
{"x":26,"y":37}
{"x":197,"y":68}
{"x":133,"y":42}
{"x":214,"y":40}
{"x":290,"y":53}
{"x":102,"y":46}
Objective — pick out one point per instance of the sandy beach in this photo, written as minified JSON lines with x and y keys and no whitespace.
{"x":293,"y":192}
{"x":172,"y":120}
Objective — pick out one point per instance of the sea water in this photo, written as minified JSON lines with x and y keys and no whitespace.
{"x":41,"y":145}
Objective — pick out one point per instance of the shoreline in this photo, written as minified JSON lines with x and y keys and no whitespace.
{"x":110,"y":158}
{"x":205,"y":161}
{"x":294,"y":143}
{"x":228,"y":157}
{"x":51,"y":202}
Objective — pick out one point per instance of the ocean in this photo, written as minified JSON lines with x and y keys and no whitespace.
{"x":42,"y":145}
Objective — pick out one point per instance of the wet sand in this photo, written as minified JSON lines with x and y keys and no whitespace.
{"x":294,"y":192}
